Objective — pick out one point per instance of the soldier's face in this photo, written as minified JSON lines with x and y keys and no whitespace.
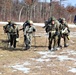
{"x":14,"y":25}
{"x":30,"y":24}
{"x":63,"y":21}
{"x":53,"y":22}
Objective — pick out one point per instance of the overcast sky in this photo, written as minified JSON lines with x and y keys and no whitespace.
{"x":66,"y":2}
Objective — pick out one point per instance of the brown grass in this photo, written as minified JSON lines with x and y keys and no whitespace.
{"x":10,"y":57}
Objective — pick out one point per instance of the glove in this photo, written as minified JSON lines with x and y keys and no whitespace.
{"x":68,"y":30}
{"x":56,"y":33}
{"x":34,"y":30}
{"x":17,"y":36}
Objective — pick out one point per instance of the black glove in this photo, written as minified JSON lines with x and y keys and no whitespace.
{"x":34,"y":30}
{"x":17,"y":36}
{"x":68,"y":30}
{"x":56,"y":33}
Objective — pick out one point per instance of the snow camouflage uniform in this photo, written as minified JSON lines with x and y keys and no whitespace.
{"x":52,"y":29}
{"x":6,"y":30}
{"x":14,"y":33}
{"x":57,"y":22}
{"x":28,"y":32}
{"x":59,"y":31}
{"x":64,"y":32}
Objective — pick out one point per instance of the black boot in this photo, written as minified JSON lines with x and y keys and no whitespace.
{"x":60,"y":46}
{"x":27,"y":47}
{"x":49,"y":47}
{"x":66,"y":45}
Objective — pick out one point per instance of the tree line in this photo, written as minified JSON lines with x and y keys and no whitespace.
{"x":21,"y":10}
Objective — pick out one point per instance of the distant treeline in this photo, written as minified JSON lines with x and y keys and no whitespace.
{"x":21,"y":10}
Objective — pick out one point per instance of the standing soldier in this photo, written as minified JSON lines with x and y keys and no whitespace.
{"x":53,"y":34}
{"x":14,"y":33}
{"x":6,"y":30}
{"x":28,"y":32}
{"x":60,"y":35}
{"x":65,"y":32}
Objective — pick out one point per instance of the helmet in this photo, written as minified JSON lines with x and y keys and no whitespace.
{"x":30,"y":22}
{"x":27,"y":21}
{"x":53,"y":18}
{"x":63,"y":19}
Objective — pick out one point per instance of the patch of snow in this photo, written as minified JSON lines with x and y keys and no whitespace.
{"x":14,"y":70}
{"x":32,"y":58}
{"x":62,"y":58}
{"x":72,"y":25}
{"x":49,"y":65}
{"x":1,"y":55}
{"x":21,"y":68}
{"x":73,"y":70}
{"x":26,"y":63}
{"x":47,"y":55}
{"x":72,"y":41}
{"x":72,"y":34}
{"x":38,"y":67}
{"x":42,"y":60}
{"x":4,"y":66}
{"x":69,"y":52}
{"x":46,"y":52}
{"x":0,"y":73}
{"x":43,"y":53}
{"x":58,"y":48}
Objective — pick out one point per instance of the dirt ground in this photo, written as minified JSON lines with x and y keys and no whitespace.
{"x":38,"y":60}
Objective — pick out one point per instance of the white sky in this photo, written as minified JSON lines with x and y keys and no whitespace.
{"x":66,"y":2}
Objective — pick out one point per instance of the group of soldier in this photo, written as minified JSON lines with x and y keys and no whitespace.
{"x":56,"y":29}
{"x":13,"y":33}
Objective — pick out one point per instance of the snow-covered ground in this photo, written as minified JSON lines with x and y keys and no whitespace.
{"x":36,"y":24}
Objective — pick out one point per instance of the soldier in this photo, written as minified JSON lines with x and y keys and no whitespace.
{"x":53,"y":34}
{"x":65,"y":32}
{"x":57,"y":22}
{"x":60,"y":35}
{"x":14,"y":33}
{"x":6,"y":30}
{"x":28,"y":32}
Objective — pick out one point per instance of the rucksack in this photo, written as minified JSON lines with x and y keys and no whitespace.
{"x":25,"y":24}
{"x":47,"y":29}
{"x":5,"y":28}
